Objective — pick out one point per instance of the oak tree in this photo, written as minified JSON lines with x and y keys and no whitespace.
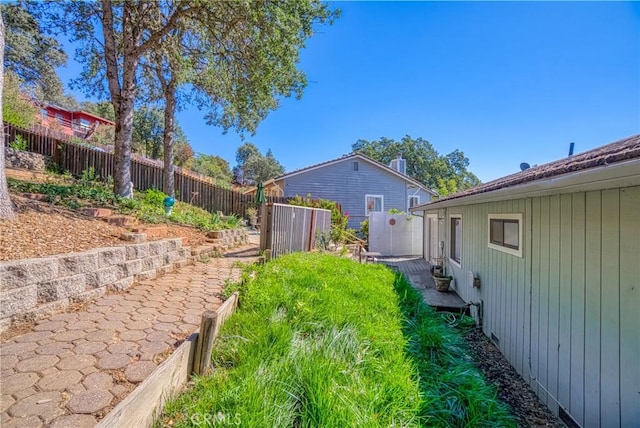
{"x":252,"y":50}
{"x":442,"y":173}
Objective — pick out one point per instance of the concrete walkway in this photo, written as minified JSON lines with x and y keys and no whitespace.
{"x":73,"y":367}
{"x":418,"y":272}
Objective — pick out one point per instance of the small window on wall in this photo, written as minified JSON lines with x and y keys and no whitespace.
{"x":414,"y":201}
{"x":374,"y":203}
{"x":356,"y":165}
{"x":455,"y":247}
{"x":505,"y":233}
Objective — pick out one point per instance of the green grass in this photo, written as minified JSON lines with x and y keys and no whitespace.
{"x":320,"y":341}
{"x":147,"y":205}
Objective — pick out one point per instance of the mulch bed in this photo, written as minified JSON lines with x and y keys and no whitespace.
{"x":512,"y":389}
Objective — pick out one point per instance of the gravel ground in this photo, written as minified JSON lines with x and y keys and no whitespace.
{"x":42,"y":229}
{"x":512,"y":389}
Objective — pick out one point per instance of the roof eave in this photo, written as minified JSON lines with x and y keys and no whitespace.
{"x":621,"y":174}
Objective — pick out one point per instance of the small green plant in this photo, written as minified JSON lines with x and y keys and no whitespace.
{"x":88,"y":175}
{"x":364,"y":229}
{"x":251,"y":212}
{"x":19,"y":143}
{"x":395,"y":211}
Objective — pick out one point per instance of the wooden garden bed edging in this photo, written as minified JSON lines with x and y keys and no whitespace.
{"x":146,"y":401}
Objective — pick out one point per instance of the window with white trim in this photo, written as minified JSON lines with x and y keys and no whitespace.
{"x":505,"y":233}
{"x":455,"y":245}
{"x":413,"y":201}
{"x":373,"y":203}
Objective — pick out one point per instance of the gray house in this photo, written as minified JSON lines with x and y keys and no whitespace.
{"x":358,"y":183}
{"x":556,"y":249}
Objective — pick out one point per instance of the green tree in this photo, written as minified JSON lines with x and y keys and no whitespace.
{"x":212,"y":166}
{"x":102,"y":109}
{"x":17,"y":109}
{"x":252,"y":46}
{"x":32,"y":55}
{"x":443,"y":173}
{"x":148,"y":128}
{"x":182,"y":153}
{"x":253,"y":167}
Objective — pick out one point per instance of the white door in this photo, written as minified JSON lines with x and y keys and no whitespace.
{"x":431,"y":237}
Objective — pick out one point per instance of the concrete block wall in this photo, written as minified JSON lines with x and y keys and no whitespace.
{"x":33,"y":288}
{"x":228,"y":238}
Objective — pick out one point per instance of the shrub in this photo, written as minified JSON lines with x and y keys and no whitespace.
{"x":338,"y":220}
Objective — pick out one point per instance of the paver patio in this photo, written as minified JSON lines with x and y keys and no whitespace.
{"x":71,"y":368}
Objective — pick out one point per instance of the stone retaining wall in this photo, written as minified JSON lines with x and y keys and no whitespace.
{"x":33,"y":288}
{"x":23,"y":159}
{"x":228,"y":238}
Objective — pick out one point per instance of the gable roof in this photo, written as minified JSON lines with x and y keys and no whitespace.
{"x":93,"y":116}
{"x":613,"y":153}
{"x":359,"y":156}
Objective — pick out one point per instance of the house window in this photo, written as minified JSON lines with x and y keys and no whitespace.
{"x":59,"y":118}
{"x":355,"y":166}
{"x":455,"y":247}
{"x":44,"y":113}
{"x":374,"y":203}
{"x":505,"y":233}
{"x":414,"y":201}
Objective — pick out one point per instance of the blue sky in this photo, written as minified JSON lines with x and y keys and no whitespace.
{"x":503,"y":82}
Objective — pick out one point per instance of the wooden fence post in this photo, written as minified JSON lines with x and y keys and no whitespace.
{"x":208,"y":332}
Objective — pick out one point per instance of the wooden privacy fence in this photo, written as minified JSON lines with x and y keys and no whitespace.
{"x":289,"y":228}
{"x":145,"y":173}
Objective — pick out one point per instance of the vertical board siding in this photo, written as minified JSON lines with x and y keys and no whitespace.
{"x":629,"y":307}
{"x":534,"y":304}
{"x":553,"y":344}
{"x":610,"y":319}
{"x":145,"y":173}
{"x":566,"y":313}
{"x":593,"y":294}
{"x":578,"y":287}
{"x":565,"y":288}
{"x":339,"y":182}
{"x":542,"y":304}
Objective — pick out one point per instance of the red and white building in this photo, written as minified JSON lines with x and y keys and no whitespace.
{"x":71,"y":122}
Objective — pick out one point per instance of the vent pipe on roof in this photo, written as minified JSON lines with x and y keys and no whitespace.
{"x":571,"y":146}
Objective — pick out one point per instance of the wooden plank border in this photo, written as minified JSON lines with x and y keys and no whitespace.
{"x":146,"y":402}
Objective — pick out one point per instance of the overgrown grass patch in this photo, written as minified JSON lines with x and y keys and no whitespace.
{"x":322,"y":341}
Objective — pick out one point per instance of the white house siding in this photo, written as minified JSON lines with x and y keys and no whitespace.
{"x":571,"y":303}
{"x":339,"y":182}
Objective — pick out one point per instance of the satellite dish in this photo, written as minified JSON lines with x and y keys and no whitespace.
{"x":524,"y":166}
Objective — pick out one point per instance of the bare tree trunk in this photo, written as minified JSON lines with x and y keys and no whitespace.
{"x":122,"y":149}
{"x":123,"y":96}
{"x":6,"y":207}
{"x":169,"y":130}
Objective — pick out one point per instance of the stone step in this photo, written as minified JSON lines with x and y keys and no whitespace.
{"x":121,"y":220}
{"x":34,"y":196}
{"x":159,"y":231}
{"x":96,"y":212}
